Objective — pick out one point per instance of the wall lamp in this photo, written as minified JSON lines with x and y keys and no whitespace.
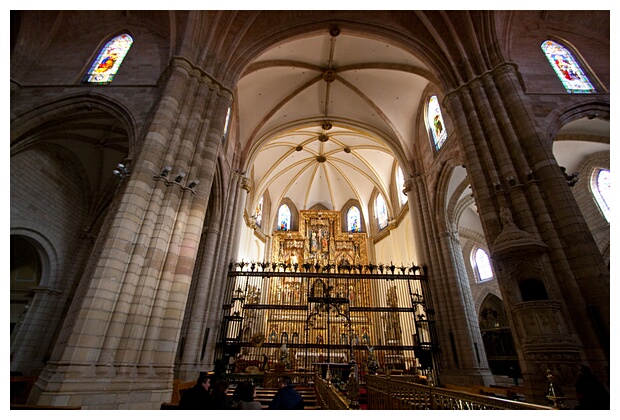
{"x":179,"y":177}
{"x":165,"y":171}
{"x":529,"y":174}
{"x":121,"y":171}
{"x":193,"y":184}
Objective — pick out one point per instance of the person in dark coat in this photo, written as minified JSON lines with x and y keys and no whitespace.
{"x":287,"y":397}
{"x":218,"y":399}
{"x":591,"y":393}
{"x":197,"y":397}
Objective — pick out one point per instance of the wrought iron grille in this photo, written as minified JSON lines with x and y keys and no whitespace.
{"x":305,"y":317}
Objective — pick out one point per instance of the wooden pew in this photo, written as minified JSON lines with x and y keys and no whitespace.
{"x":263,"y":396}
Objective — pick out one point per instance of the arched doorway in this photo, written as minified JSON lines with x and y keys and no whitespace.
{"x":498,"y":343}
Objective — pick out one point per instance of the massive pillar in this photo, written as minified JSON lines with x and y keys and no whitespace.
{"x":117,"y":346}
{"x":204,"y":312}
{"x":463,"y":360}
{"x":552,"y":277}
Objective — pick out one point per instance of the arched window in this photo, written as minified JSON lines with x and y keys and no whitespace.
{"x":400,"y":182}
{"x":482,"y":265}
{"x":602,"y":190}
{"x":381,"y":211}
{"x":109,"y":60}
{"x":284,"y":217}
{"x":258,"y":212}
{"x":435,"y":122}
{"x":353,"y":220}
{"x":567,"y":69}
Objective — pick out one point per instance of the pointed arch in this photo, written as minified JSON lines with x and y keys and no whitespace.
{"x":567,"y":68}
{"x":601,"y":189}
{"x":481,"y":263}
{"x":258,"y":212}
{"x":381,"y":211}
{"x":109,"y":60}
{"x":399,"y":179}
{"x":354,"y":222}
{"x":284,"y":217}
{"x":436,"y":124}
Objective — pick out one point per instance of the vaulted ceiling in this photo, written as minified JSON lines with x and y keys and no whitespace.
{"x":370,"y":91}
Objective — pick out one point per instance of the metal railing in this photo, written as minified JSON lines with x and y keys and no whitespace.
{"x":392,"y":393}
{"x":328,"y":397}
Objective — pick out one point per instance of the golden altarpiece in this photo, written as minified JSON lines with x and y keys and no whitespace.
{"x":320,"y":301}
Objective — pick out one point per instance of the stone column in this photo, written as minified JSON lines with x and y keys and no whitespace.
{"x":120,"y":343}
{"x":206,"y":303}
{"x":231,"y":223}
{"x":463,"y":355}
{"x":533,"y":240}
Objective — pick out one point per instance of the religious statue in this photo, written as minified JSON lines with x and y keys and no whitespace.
{"x":506,"y":217}
{"x":372,"y":364}
{"x":284,"y":356}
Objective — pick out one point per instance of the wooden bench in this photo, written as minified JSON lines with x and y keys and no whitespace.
{"x":264,"y":397}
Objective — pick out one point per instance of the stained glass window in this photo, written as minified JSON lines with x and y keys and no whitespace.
{"x":435,"y":122}
{"x":109,"y":61}
{"x":400,"y":183}
{"x":567,"y":69}
{"x":482,"y":264}
{"x":381,"y":211}
{"x":258,"y":213}
{"x":353,"y":220}
{"x":284,"y":217}
{"x":602,"y":190}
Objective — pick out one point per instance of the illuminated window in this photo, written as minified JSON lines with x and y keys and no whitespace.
{"x":381,"y":211}
{"x":400,"y":183}
{"x":226,"y":124}
{"x":602,"y":191}
{"x":567,"y":69}
{"x":435,"y":122}
{"x":284,"y":217}
{"x":482,"y":265}
{"x":109,"y":60}
{"x":353,"y":220}
{"x":258,"y":213}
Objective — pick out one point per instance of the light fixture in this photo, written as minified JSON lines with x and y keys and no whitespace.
{"x":166,"y":171}
{"x":193,"y":184}
{"x":121,"y":171}
{"x":529,"y":174}
{"x":179,"y":177}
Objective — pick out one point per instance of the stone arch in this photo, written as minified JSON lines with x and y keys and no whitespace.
{"x":592,"y":108}
{"x":445,"y":209}
{"x":25,"y":127}
{"x":492,"y":303}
